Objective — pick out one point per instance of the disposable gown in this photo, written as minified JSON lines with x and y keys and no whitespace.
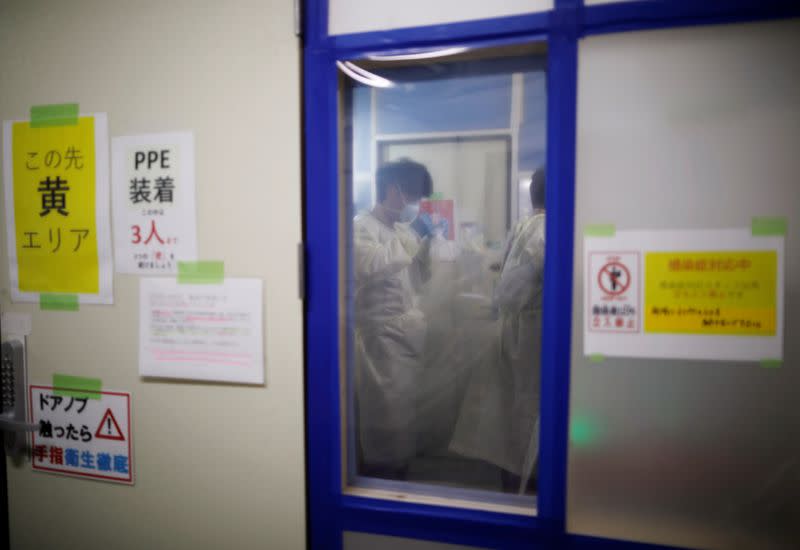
{"x":391,"y":263}
{"x":500,"y":414}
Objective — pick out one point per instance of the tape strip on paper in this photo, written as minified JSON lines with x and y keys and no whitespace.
{"x":771,"y":363}
{"x":58,"y":302}
{"x":47,"y":116}
{"x":76,"y":386}
{"x":600,"y":230}
{"x":768,"y":227}
{"x":206,"y":272}
{"x":597,"y":358}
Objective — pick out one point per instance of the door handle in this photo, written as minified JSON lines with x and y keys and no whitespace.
{"x":13,"y":387}
{"x":16,"y":426}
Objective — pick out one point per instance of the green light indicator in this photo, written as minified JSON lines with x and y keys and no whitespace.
{"x":583,"y":431}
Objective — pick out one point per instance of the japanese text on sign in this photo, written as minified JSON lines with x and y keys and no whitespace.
{"x":711,"y":292}
{"x":154,"y":202}
{"x":201,"y":331}
{"x":613,"y":292}
{"x":58,"y":229}
{"x":82,"y":436}
{"x":54,"y":207}
{"x":698,"y":294}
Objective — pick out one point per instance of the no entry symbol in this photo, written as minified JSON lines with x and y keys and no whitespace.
{"x":614,"y":278}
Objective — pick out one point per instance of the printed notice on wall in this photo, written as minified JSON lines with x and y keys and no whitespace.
{"x":714,"y":294}
{"x":201,"y":331}
{"x":81,"y":433}
{"x":57,"y":214}
{"x":154,"y":202}
{"x":442,"y":215}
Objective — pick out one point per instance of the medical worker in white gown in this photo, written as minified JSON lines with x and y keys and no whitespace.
{"x":499,"y":420}
{"x":391,"y":263}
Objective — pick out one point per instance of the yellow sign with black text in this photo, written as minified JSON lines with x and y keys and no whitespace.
{"x":54,"y":186}
{"x":717,"y":292}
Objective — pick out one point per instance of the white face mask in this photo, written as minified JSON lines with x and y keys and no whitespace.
{"x":409,"y":213}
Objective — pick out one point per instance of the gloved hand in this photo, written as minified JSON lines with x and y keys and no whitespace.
{"x":423,"y":224}
{"x":444,"y":227}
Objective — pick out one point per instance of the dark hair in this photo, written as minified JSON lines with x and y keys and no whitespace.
{"x":537,"y":188}
{"x":411,"y":177}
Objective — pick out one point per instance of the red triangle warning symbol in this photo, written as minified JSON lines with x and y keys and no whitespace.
{"x":108,"y":428}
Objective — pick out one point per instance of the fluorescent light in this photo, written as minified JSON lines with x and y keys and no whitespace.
{"x":427,"y":54}
{"x":365,"y":77}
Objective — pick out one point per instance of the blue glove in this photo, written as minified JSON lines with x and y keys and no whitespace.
{"x":444,"y":225}
{"x":423,"y":225}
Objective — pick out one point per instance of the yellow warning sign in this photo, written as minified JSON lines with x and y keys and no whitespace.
{"x":717,"y":292}
{"x":54,"y":207}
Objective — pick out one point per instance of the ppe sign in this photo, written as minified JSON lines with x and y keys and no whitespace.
{"x":154,"y":202}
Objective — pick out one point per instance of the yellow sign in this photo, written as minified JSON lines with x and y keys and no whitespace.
{"x":720,"y":292}
{"x":54,"y":207}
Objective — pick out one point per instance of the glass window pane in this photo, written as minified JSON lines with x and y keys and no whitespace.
{"x":673,"y":134}
{"x":444,"y":257}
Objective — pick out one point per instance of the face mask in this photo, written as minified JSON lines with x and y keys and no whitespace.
{"x":409,"y":213}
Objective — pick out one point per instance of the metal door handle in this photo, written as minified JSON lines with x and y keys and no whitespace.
{"x":13,"y":389}
{"x":11,"y":425}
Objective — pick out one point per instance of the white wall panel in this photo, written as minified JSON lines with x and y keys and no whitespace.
{"x":352,"y":16}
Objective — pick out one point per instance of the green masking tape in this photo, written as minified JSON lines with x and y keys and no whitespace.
{"x":600,"y":230}
{"x":771,"y":363}
{"x":58,"y":302}
{"x":597,"y":358}
{"x":436,"y":196}
{"x":209,"y":272}
{"x":768,"y":227}
{"x":75,"y":386}
{"x":47,"y":116}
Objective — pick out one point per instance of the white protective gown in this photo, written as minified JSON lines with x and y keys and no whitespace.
{"x":390,"y":336}
{"x":500,"y":415}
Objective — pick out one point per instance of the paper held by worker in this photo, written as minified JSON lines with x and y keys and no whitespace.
{"x":715,"y":294}
{"x":57,"y":214}
{"x":201,"y":331}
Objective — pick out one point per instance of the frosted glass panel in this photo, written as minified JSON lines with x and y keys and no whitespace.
{"x":351,"y":16}
{"x":688,"y":129}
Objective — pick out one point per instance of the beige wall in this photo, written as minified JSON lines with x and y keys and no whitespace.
{"x":217,"y":466}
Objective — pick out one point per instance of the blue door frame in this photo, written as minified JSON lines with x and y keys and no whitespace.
{"x":329,"y":511}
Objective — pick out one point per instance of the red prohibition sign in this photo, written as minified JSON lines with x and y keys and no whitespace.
{"x":613,"y":272}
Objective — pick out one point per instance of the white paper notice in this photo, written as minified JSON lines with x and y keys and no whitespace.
{"x":201,"y":331}
{"x":154,"y":202}
{"x":715,"y":294}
